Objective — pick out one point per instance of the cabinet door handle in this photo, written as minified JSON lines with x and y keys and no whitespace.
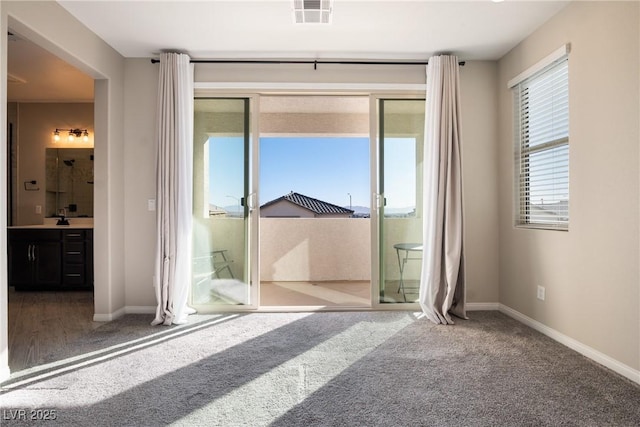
{"x":73,"y":275}
{"x":29,"y":253}
{"x":73,"y":235}
{"x":33,"y":252}
{"x":74,"y":253}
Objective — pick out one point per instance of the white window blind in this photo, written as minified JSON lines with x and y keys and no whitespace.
{"x":542,"y":147}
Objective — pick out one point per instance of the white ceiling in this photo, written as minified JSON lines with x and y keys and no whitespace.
{"x":233,"y":29}
{"x":372,"y":29}
{"x":35,"y":75}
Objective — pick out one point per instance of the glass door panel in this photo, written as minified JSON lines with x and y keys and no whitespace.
{"x":221,"y":273}
{"x":400,"y":163}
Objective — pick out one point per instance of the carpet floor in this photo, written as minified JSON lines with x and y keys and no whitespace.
{"x":319,"y":369}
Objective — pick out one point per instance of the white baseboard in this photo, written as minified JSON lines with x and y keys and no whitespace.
{"x":108,"y":317}
{"x":585,"y":350}
{"x":591,"y":353}
{"x":482,"y":306}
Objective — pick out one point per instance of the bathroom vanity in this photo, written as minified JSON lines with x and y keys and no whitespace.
{"x":49,"y":257}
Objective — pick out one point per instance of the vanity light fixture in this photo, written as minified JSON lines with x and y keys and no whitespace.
{"x":73,"y":134}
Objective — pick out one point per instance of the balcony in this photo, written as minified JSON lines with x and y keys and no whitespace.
{"x":303,"y":261}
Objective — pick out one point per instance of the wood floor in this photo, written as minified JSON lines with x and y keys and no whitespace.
{"x":42,"y":324}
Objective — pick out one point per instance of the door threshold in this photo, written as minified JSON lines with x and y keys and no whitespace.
{"x":308,"y":308}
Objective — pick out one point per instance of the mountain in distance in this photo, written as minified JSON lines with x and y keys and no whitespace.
{"x":394,"y":211}
{"x":233,"y":208}
{"x":230,"y":209}
{"x":388,"y":211}
{"x":361,"y":210}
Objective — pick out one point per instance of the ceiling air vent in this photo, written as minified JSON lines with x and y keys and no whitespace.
{"x":312,"y":11}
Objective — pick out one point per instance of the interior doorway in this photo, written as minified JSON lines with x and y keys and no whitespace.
{"x":45,"y":93}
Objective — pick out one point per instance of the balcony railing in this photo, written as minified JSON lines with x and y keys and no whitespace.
{"x":307,"y":249}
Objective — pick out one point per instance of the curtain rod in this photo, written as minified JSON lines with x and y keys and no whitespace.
{"x":315,"y":62}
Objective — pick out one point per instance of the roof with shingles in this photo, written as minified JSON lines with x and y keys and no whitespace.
{"x":314,"y":205}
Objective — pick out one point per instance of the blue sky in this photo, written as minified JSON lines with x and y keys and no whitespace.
{"x":325,"y":168}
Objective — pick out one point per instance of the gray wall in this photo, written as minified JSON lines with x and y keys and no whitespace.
{"x":590,"y":272}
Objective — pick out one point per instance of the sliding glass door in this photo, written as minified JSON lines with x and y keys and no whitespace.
{"x":226,"y":264}
{"x":222,"y":205}
{"x":399,"y":198}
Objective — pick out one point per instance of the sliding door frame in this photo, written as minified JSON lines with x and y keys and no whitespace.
{"x":253,"y":93}
{"x":376,"y":124}
{"x":251,"y":209}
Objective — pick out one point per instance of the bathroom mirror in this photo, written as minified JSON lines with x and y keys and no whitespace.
{"x":69,"y":182}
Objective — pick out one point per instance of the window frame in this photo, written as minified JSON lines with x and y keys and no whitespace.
{"x":523,"y":217}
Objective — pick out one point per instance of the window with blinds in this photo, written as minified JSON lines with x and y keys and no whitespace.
{"x":542,"y":148}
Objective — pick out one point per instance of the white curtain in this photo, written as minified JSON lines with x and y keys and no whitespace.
{"x":174,"y":185}
{"x":442,"y":282}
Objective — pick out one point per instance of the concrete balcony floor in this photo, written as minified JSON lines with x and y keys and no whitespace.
{"x":327,"y":294}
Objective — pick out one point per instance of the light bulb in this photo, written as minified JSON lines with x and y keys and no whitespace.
{"x":85,"y":136}
{"x":56,"y":136}
{"x":71,"y":137}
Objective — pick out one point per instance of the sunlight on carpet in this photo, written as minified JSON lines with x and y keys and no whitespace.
{"x":274,"y":393}
{"x":42,"y":372}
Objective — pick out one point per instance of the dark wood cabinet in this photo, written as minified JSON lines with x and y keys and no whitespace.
{"x":50,"y":259}
{"x":75,"y":268}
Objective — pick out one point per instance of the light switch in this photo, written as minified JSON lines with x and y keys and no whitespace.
{"x":38,"y":209}
{"x":151,"y":204}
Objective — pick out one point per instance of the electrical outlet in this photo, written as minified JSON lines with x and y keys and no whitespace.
{"x":38,"y":209}
{"x":151,"y":205}
{"x":541,"y":293}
